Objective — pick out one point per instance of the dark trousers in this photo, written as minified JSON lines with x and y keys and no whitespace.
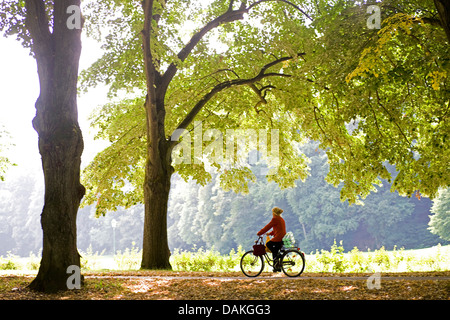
{"x":274,"y":247}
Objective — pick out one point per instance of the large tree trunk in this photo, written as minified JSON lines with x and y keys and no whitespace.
{"x":60,"y":140}
{"x":158,"y":171}
{"x":155,"y":251}
{"x":61,"y":152}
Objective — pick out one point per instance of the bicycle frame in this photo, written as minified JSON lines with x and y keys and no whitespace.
{"x":280,"y":255}
{"x":268,"y":260}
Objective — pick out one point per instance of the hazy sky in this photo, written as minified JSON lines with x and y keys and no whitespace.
{"x":19,"y":89}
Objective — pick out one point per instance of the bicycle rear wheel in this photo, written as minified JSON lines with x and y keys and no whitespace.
{"x":252,"y":265}
{"x":293,"y":263}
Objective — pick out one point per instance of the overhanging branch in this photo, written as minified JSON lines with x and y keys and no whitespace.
{"x":285,"y":1}
{"x":228,"y":84}
{"x":229,"y":16}
{"x":38,"y":26}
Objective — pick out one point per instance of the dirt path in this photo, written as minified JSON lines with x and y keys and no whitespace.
{"x":167,"y":285}
{"x":275,"y":277}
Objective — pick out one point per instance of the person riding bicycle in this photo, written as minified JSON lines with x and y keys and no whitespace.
{"x":278,"y":232}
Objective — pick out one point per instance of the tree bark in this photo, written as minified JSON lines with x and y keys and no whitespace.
{"x":443,"y":7}
{"x":158,"y":171}
{"x":57,"y":55}
{"x":155,"y":251}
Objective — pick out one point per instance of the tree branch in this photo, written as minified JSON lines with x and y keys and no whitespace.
{"x":228,"y":84}
{"x":375,"y":117}
{"x":146,"y":45}
{"x":154,"y":126}
{"x":443,"y":8}
{"x":391,"y":117}
{"x":229,"y":16}
{"x":325,"y":134}
{"x":38,"y":26}
{"x":431,"y":21}
{"x":285,"y":1}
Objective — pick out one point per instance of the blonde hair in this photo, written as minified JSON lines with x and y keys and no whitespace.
{"x":277,"y":211}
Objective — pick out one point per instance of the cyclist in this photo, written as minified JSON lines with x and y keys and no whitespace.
{"x":278,"y":232}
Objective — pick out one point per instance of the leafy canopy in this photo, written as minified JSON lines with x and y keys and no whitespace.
{"x":370,"y":97}
{"x":386,"y":98}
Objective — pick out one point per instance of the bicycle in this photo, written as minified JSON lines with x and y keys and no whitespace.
{"x":291,"y":258}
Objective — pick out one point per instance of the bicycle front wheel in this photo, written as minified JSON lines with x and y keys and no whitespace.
{"x":293,"y":263}
{"x":252,"y":265}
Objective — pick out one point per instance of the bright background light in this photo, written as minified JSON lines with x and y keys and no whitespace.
{"x":19,"y":90}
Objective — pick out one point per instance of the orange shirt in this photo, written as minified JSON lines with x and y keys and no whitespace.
{"x":279,"y":229}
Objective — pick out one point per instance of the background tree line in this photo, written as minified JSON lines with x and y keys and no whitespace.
{"x":207,"y":216}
